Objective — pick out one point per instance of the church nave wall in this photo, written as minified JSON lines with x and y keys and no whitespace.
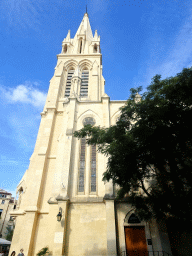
{"x":86,"y":229}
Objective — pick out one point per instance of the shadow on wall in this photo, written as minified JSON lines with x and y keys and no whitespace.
{"x":95,"y":251}
{"x":63,"y":223}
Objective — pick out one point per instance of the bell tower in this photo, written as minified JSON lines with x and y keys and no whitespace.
{"x":87,"y":65}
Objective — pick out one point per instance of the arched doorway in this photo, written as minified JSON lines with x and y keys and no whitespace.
{"x":135,"y":238}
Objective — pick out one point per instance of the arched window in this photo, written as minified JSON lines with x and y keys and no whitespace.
{"x":81,"y":184}
{"x":89,"y":120}
{"x":92,"y":152}
{"x":95,"y":48}
{"x":84,"y":83}
{"x":65,"y":49}
{"x":93,"y":168}
{"x":133,"y":219}
{"x":68,"y":83}
{"x":80,"y":45}
{"x":20,"y":195}
{"x":21,"y":191}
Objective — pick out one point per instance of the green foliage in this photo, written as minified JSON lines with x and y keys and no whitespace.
{"x":150,"y":148}
{"x":9,"y":233}
{"x":43,"y":251}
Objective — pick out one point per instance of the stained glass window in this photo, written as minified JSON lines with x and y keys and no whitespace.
{"x":82,"y":166}
{"x":93,"y":168}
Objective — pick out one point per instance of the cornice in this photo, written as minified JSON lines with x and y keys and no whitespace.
{"x":79,"y":55}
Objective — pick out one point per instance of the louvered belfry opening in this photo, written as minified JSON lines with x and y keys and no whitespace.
{"x":84,"y":83}
{"x":68,"y":83}
{"x":82,"y":166}
{"x":93,"y":168}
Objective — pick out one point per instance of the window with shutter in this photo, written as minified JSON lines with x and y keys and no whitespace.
{"x":84,"y":83}
{"x":68,"y":83}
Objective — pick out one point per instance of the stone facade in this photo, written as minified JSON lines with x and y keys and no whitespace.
{"x":66,"y":176}
{"x":7,"y":204}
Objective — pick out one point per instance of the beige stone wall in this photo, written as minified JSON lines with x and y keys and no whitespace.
{"x":115,"y":110}
{"x":56,"y":133}
{"x":19,"y":232}
{"x":45,"y":230}
{"x":48,"y":183}
{"x":86,"y":230}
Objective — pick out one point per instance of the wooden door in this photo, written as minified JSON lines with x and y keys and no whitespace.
{"x":135,"y":241}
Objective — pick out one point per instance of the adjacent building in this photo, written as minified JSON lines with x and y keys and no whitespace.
{"x":63,"y":202}
{"x":7,"y":204}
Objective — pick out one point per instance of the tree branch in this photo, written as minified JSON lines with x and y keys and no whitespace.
{"x":144,"y":189}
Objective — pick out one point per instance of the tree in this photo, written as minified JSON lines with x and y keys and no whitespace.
{"x":43,"y":251}
{"x":9,"y":233}
{"x":150,"y":148}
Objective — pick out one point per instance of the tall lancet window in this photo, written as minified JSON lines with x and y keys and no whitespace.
{"x":84,"y":83}
{"x":92,"y":152}
{"x":82,"y":167}
{"x":93,"y":168}
{"x":68,"y":83}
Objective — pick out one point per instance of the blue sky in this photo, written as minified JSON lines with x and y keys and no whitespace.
{"x":139,"y":39}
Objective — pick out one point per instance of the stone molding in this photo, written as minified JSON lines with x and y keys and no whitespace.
{"x":62,"y":198}
{"x":108,"y":197}
{"x":87,"y":200}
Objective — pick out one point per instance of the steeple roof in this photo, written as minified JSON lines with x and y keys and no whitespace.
{"x":85,"y":28}
{"x":83,"y":41}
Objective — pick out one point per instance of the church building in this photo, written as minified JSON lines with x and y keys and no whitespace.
{"x":63,"y":203}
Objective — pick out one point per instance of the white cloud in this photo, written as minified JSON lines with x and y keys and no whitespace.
{"x":21,"y":115}
{"x":20,"y":119}
{"x":24,"y":93}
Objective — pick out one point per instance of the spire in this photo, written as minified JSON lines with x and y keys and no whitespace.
{"x":85,"y":28}
{"x":68,"y":36}
{"x":83,"y":41}
{"x":96,"y":35}
{"x":67,"y":39}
